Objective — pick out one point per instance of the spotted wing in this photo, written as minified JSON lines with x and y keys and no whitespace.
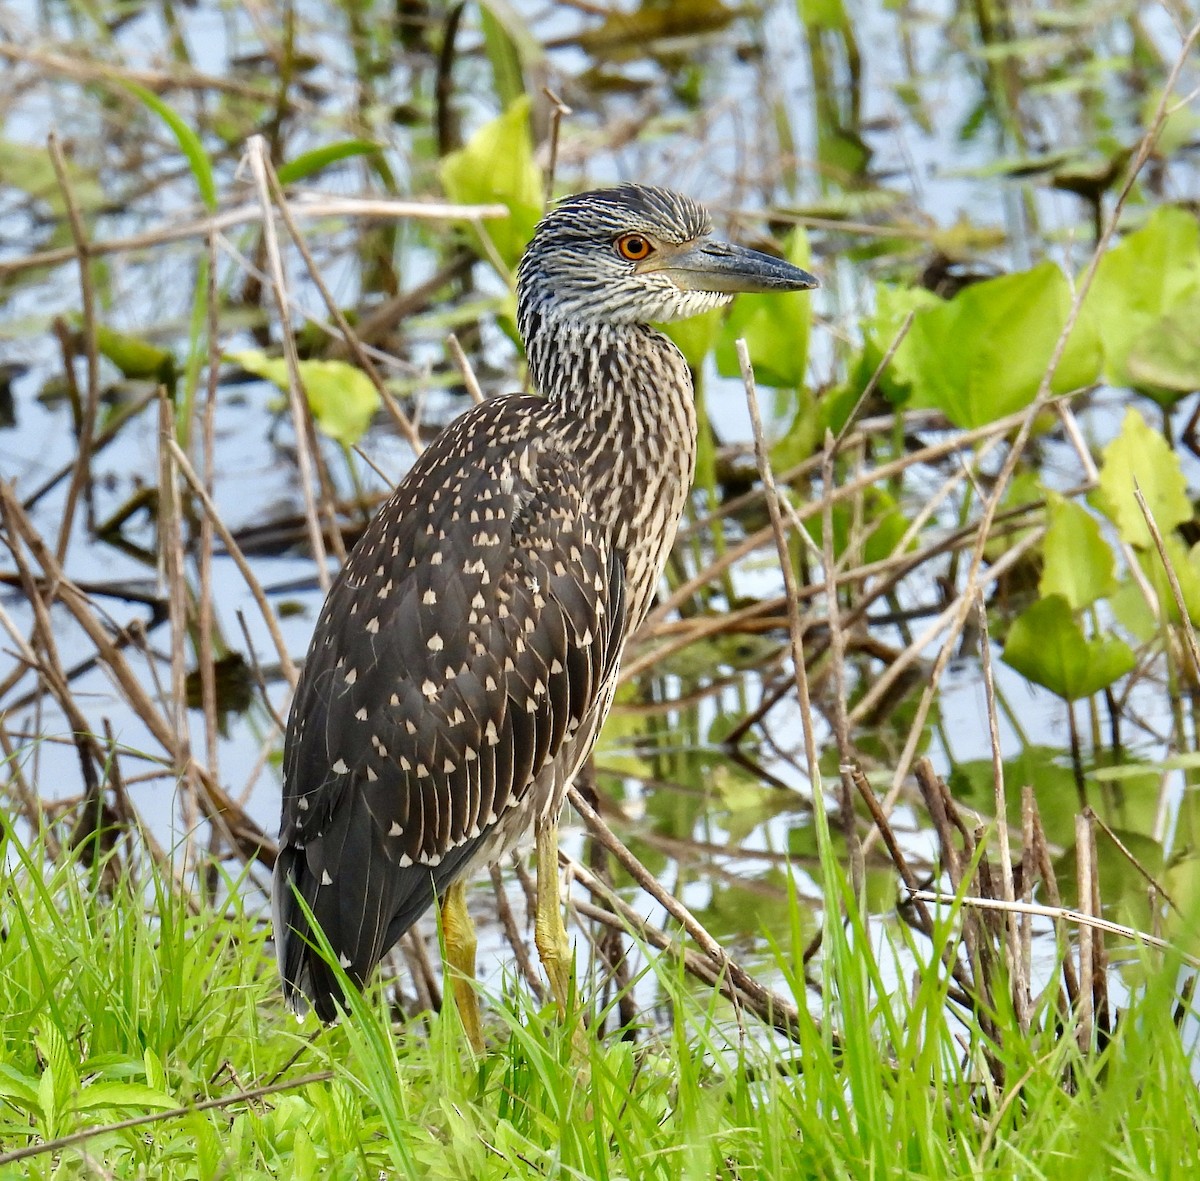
{"x":473,"y":630}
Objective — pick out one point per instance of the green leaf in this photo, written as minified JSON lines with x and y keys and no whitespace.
{"x":308,"y":163}
{"x":802,"y":437}
{"x":1044,"y":768}
{"x":1165,"y":358}
{"x":504,"y":56}
{"x":1143,"y":305}
{"x":17,"y":1086}
{"x":189,"y":142}
{"x":1047,"y":646}
{"x":892,"y":307}
{"x":342,"y":399}
{"x":1131,"y":611}
{"x":1141,"y":455}
{"x":775,"y":327}
{"x":1078,"y":562}
{"x":983,"y":354}
{"x":122,"y":1095}
{"x":136,"y":358}
{"x":497,"y":164}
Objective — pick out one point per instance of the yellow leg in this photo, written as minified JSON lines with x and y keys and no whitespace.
{"x":459,"y":934}
{"x":549,"y":934}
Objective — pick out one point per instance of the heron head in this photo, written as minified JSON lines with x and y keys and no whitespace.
{"x":637,"y":254}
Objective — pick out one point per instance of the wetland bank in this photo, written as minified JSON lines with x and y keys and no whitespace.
{"x":954,"y":478}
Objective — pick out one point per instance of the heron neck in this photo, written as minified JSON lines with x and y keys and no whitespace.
{"x":627,"y":410}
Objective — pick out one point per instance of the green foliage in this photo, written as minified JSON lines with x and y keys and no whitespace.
{"x":341,"y":397}
{"x":497,"y":164}
{"x":142,"y":1001}
{"x":1140,"y":458}
{"x":982,"y":355}
{"x":189,"y":141}
{"x":309,"y":163}
{"x":775,"y":327}
{"x":136,"y":358}
{"x":1078,"y":563}
{"x":1144,"y":306}
{"x":1047,"y":645}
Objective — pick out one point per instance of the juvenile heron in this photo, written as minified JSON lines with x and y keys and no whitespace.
{"x":467,"y":654}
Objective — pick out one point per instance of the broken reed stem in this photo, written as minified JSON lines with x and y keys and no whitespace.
{"x":463,"y":362}
{"x":256,"y":154}
{"x":205,"y":618}
{"x":170,"y":547}
{"x":231,"y":547}
{"x":1081,"y":918}
{"x":558,"y":111}
{"x":520,"y":948}
{"x":81,"y":476}
{"x":349,"y":337}
{"x":1084,"y":871}
{"x":837,"y":663}
{"x":315,"y":206}
{"x":1028,"y":817}
{"x":48,"y":666}
{"x":138,"y":1121}
{"x":1185,"y":622}
{"x":1018,"y":966}
{"x":795,"y":627}
{"x":925,"y":923}
{"x":1159,"y":891}
{"x":764,"y":999}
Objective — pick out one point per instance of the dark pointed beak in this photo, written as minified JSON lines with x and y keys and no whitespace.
{"x":730,"y":270}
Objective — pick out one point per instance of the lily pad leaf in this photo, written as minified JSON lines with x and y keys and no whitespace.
{"x":1139,"y":304}
{"x":983,"y":354}
{"x":1139,"y":456}
{"x":342,"y":399}
{"x":1078,"y":562}
{"x":1047,"y":646}
{"x":1165,"y":358}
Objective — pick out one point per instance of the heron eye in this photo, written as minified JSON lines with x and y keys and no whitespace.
{"x":634,"y":247}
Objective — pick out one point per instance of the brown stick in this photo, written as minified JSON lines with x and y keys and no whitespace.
{"x":81,"y":476}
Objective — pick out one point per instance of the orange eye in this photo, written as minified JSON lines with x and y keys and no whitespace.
{"x":634,"y":247}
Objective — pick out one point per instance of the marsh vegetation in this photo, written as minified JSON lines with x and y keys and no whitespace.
{"x":911,"y":731}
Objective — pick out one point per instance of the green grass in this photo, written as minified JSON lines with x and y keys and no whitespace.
{"x":114,"y":1006}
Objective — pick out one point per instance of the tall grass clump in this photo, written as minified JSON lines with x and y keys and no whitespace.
{"x":125,"y":996}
